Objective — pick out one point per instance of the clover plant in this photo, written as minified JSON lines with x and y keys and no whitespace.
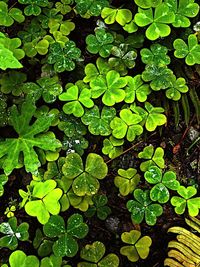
{"x":186,"y":200}
{"x":142,"y":208}
{"x":99,"y":207}
{"x":112,"y":147}
{"x":90,"y":7}
{"x":85,"y":180}
{"x":162,"y":183}
{"x":176,"y":87}
{"x":33,"y":7}
{"x":13,"y":233}
{"x":64,"y":6}
{"x":42,"y":201}
{"x":121,"y":16}
{"x":66,"y":243}
{"x":10,"y":14}
{"x":100,"y":43}
{"x":190,"y":52}
{"x":127,"y":125}
{"x":99,"y":123}
{"x":152,"y":157}
{"x":158,"y":20}
{"x":126,"y":181}
{"x":76,"y":100}
{"x":137,"y":247}
{"x":19,"y":258}
{"x":94,"y":256}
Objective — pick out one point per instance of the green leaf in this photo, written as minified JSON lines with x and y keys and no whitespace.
{"x":33,"y":6}
{"x":147,"y":3}
{"x":127,"y":180}
{"x":152,"y":157}
{"x":47,"y":201}
{"x":177,"y":86}
{"x":90,"y":7}
{"x":54,"y":227}
{"x":3,"y":181}
{"x":190,"y":52}
{"x":127,"y":125}
{"x":100,"y":43}
{"x":142,"y":207}
{"x":99,"y":123}
{"x":184,"y":9}
{"x":158,"y":21}
{"x":112,"y":147}
{"x":99,"y":207}
{"x":138,"y":248}
{"x":19,"y":258}
{"x":122,"y":16}
{"x":8,"y":15}
{"x":29,"y":136}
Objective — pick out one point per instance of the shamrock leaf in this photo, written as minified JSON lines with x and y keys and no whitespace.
{"x":158,"y":76}
{"x":13,"y":233}
{"x":100,"y":43}
{"x":64,"y":6}
{"x":127,"y":125}
{"x":136,"y":89}
{"x":9,"y":15}
{"x":137,"y":248}
{"x":66,"y":244}
{"x":19,"y":258}
{"x":99,"y":207}
{"x":176,"y":87}
{"x":92,"y":71}
{"x":12,"y":82}
{"x":87,"y":8}
{"x":112,"y":147}
{"x":160,"y":191}
{"x":151,"y":116}
{"x":180,"y":203}
{"x":94,"y":255}
{"x":156,"y":55}
{"x":45,"y":201}
{"x":29,"y":136}
{"x":190,"y":52}
{"x":152,"y":157}
{"x":3,"y":181}
{"x":183,"y":9}
{"x":147,"y":3}
{"x":111,"y":88}
{"x":76,"y":100}
{"x":121,"y":16}
{"x":85,"y":180}
{"x":141,"y":208}
{"x":36,"y":46}
{"x":158,"y":21}
{"x":99,"y":123}
{"x":34,"y":6}
{"x":126,"y":181}
{"x":124,"y":58}
{"x":63,"y":58}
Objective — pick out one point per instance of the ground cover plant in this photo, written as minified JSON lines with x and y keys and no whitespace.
{"x":99,"y":133}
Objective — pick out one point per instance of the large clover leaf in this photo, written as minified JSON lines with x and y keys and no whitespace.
{"x":142,"y":207}
{"x":152,"y":116}
{"x":66,"y":244}
{"x":75,"y":100}
{"x":158,"y":21}
{"x":185,"y":199}
{"x":126,"y":181}
{"x":99,"y":123}
{"x":152,"y":157}
{"x":34,"y":6}
{"x":183,"y":10}
{"x":44,"y":200}
{"x":127,"y":125}
{"x":156,"y":55}
{"x":100,"y":43}
{"x":87,"y":8}
{"x":137,"y":247}
{"x":160,"y":191}
{"x":190,"y":52}
{"x":85,"y":180}
{"x":63,"y":58}
{"x":29,"y":136}
{"x":136,"y":89}
{"x":94,"y":255}
{"x":176,"y":87}
{"x":158,"y":76}
{"x":8,"y":16}
{"x":111,"y":88}
{"x":13,"y":233}
{"x":122,"y":16}
{"x":19,"y":258}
